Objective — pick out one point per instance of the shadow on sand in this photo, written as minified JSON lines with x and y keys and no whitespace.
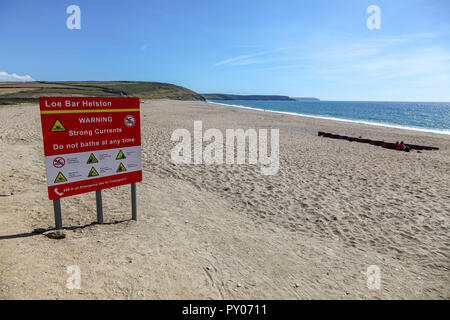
{"x":41,"y":231}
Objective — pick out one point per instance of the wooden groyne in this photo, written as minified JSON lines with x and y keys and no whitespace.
{"x":387,"y":145}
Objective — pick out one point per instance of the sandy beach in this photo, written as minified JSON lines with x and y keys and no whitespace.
{"x":227,"y":231}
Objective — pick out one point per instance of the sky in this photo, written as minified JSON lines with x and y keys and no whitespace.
{"x":298,"y":48}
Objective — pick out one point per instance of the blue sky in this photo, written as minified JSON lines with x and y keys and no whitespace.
{"x":298,"y":48}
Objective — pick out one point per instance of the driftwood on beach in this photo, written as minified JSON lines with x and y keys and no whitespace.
{"x":387,"y":145}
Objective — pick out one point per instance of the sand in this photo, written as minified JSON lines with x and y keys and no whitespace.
{"x":227,"y":231}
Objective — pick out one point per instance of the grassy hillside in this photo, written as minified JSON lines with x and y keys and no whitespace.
{"x":18,"y":92}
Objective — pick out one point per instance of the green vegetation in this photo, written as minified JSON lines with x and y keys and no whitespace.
{"x":21,"y":92}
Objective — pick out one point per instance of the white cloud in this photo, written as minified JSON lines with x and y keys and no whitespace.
{"x":408,"y":60}
{"x":404,"y":38}
{"x":245,"y":59}
{"x":415,"y":63}
{"x":7,"y":77}
{"x":291,"y":66}
{"x":421,"y":62}
{"x":247,"y":62}
{"x":239,"y":58}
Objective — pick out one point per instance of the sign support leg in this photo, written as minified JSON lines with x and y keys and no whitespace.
{"x":58,"y":217}
{"x":133,"y":202}
{"x":98,"y":198}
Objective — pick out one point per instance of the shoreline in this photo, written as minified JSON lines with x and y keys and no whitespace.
{"x":427,"y":130}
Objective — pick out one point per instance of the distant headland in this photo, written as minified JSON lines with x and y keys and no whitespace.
{"x":222,"y":96}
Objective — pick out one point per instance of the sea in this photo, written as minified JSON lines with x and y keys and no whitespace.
{"x":422,"y":116}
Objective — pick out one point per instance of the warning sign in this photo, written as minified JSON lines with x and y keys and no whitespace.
{"x":120,"y":155}
{"x":130,"y":121}
{"x":57,"y":127}
{"x":93,"y":172}
{"x":59,"y":162}
{"x":121,"y":168}
{"x":92,"y":159}
{"x":84,"y":140}
{"x":60,"y":178}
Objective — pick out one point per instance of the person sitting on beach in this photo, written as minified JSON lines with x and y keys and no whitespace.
{"x":399,"y":146}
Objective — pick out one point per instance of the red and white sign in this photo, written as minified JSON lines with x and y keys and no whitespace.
{"x":90,"y":143}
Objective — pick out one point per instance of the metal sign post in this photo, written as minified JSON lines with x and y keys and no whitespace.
{"x":98,"y":198}
{"x":133,"y":202}
{"x":58,"y":218}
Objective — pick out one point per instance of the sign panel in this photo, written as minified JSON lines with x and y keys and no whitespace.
{"x":90,"y":143}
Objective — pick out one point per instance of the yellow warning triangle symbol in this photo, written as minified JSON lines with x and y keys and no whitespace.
{"x":57,"y":127}
{"x":92,"y":159}
{"x":60,"y":178}
{"x":93,"y":173}
{"x":120,"y":155}
{"x":121,"y":168}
